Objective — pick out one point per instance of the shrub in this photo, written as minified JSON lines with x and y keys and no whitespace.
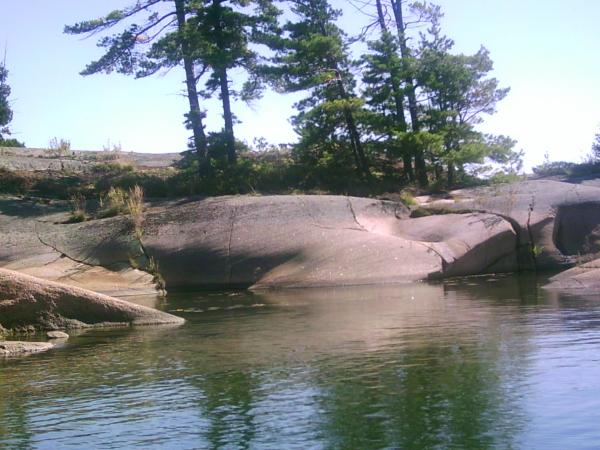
{"x":407,"y":199}
{"x":10,"y":142}
{"x":112,"y":168}
{"x":58,"y":148}
{"x":78,"y":208}
{"x":118,"y":201}
{"x":15,"y":182}
{"x":114,"y":203}
{"x":135,"y":208}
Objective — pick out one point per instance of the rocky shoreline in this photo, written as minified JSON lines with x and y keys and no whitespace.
{"x":261,"y":242}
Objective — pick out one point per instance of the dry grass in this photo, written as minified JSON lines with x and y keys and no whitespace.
{"x":114,"y":203}
{"x":135,"y":208}
{"x":78,"y":208}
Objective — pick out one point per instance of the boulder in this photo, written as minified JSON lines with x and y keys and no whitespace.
{"x":306,"y":240}
{"x":582,"y":278}
{"x":94,"y":255}
{"x":28,"y":302}
{"x":556,"y":222}
{"x":15,"y":348}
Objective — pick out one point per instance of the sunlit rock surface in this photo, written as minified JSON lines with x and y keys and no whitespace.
{"x":306,"y":241}
{"x":28,"y":303}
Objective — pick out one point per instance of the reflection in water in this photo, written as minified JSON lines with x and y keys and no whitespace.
{"x":468,"y":363}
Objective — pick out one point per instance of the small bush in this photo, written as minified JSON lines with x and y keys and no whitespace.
{"x":135,"y":209}
{"x":78,"y":209}
{"x":10,"y":142}
{"x":504,"y":178}
{"x":58,"y":148}
{"x":153,"y":269}
{"x":114,"y":203}
{"x":407,"y":199}
{"x":112,"y":168}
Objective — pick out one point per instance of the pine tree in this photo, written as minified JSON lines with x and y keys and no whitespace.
{"x":312,"y":56}
{"x":458,"y":93}
{"x":384,"y":93}
{"x":226,"y":35}
{"x":165,"y":26}
{"x":391,"y":65}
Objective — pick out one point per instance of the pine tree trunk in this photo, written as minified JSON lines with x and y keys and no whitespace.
{"x":398,"y":97}
{"x":362,"y":165}
{"x":420,"y":167}
{"x":195,"y":115}
{"x":450,"y":180}
{"x":227,"y":116}
{"x":407,"y":167}
{"x":225,"y":94}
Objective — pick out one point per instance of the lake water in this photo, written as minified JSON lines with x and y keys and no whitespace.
{"x":491,"y":362}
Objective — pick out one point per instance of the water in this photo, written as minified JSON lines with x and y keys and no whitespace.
{"x":476,"y":363}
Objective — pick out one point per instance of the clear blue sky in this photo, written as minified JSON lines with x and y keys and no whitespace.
{"x":546,"y":52}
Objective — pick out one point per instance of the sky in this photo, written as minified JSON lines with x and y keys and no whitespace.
{"x":546,"y":52}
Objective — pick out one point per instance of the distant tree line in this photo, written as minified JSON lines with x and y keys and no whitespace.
{"x":406,"y":110}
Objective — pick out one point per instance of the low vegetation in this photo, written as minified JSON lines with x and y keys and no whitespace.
{"x":78,"y":208}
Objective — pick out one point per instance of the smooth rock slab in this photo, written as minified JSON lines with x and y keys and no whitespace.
{"x":14,"y":348}
{"x":555,"y":222}
{"x":311,"y":241}
{"x":583,"y":278}
{"x":26,"y":302}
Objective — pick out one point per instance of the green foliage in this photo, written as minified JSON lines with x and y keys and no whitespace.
{"x":78,"y":208}
{"x":408,"y":199}
{"x":505,"y":178}
{"x":112,"y":169}
{"x":564,"y":168}
{"x":312,"y":55}
{"x":113,"y":203}
{"x":58,"y":185}
{"x":134,"y":204}
{"x":10,"y":142}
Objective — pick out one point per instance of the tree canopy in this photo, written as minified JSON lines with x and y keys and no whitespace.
{"x":405,"y":110}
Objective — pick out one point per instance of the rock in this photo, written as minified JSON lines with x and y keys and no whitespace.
{"x":14,"y":348}
{"x":26,"y":301}
{"x":57,"y":335}
{"x":36,"y":159}
{"x":584,"y":277}
{"x":555,"y":222}
{"x":467,"y":243}
{"x":307,"y":241}
{"x":94,"y":255}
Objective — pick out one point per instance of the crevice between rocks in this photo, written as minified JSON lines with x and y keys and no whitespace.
{"x":354,"y":215}
{"x":232,"y":220}
{"x":61,"y":253}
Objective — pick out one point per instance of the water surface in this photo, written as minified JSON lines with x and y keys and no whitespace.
{"x":491,"y":362}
